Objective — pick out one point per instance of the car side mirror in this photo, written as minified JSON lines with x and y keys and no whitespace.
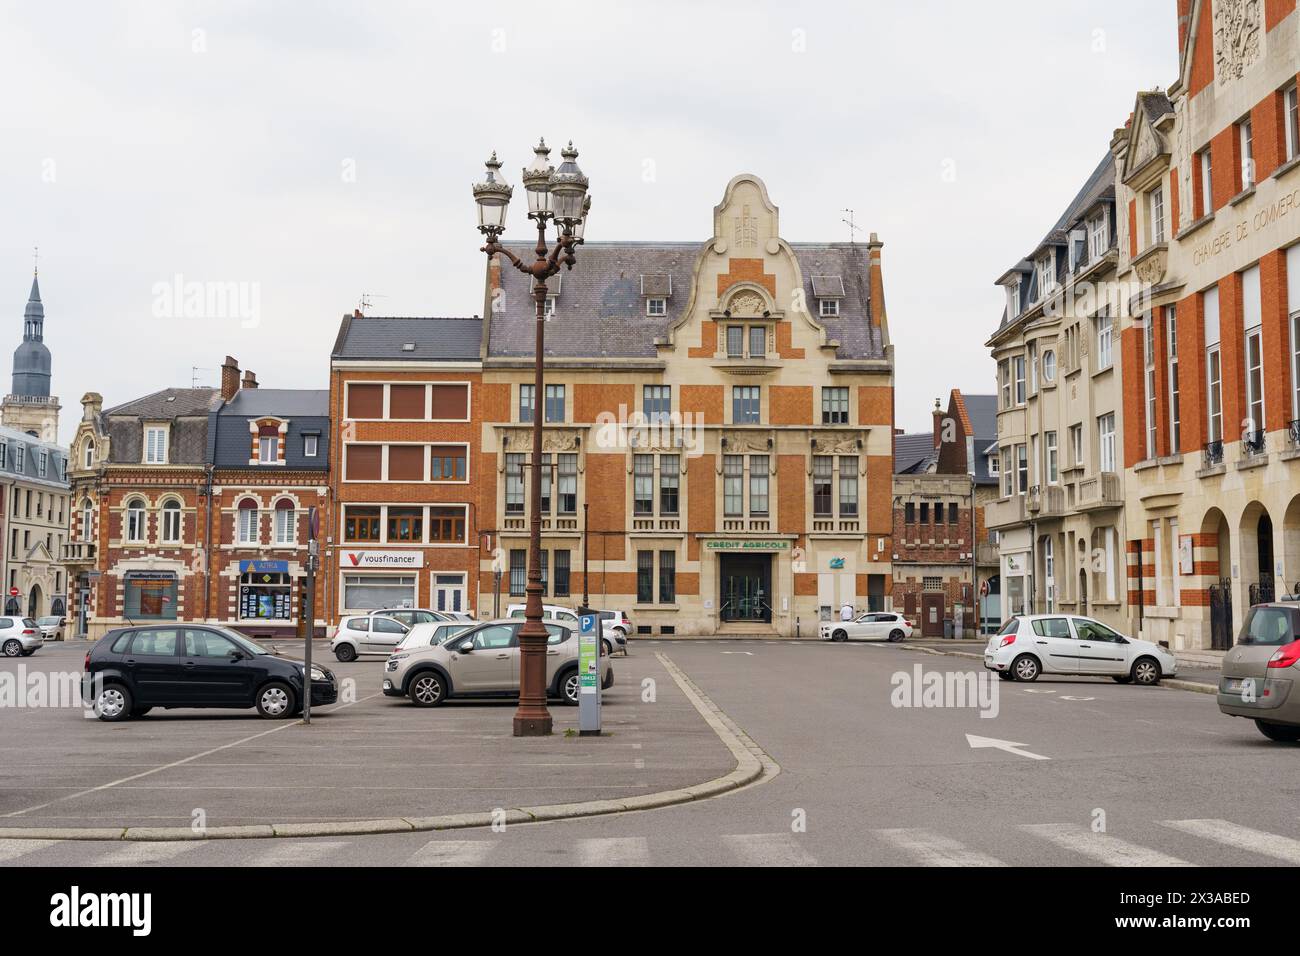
{"x":466,"y":647}
{"x":236,"y":656}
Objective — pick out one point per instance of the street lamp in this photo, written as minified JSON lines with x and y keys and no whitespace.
{"x":559,"y":195}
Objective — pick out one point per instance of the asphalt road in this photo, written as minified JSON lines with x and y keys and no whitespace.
{"x":1123,"y":775}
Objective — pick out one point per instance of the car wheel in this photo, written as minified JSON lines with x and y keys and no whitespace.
{"x":569,"y":688}
{"x":113,"y":703}
{"x":346,"y":653}
{"x":1279,"y":732}
{"x":426,"y":689}
{"x":1006,"y":675}
{"x":1146,"y":670}
{"x":839,"y":636}
{"x":13,"y":647}
{"x":895,"y":636}
{"x":1122,"y":679}
{"x":275,"y":700}
{"x":606,"y":647}
{"x":1026,"y":668}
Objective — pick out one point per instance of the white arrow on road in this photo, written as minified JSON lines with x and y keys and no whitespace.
{"x":1011,"y":748}
{"x":746,"y":653}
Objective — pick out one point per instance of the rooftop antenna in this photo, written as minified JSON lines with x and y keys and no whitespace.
{"x":194,"y":374}
{"x":366,"y":301}
{"x":853,"y":228}
{"x":36,"y":260}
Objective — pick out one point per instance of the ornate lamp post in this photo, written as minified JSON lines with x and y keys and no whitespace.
{"x":559,"y":195}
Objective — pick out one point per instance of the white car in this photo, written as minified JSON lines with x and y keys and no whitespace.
{"x":1069,"y":644}
{"x":870,"y":626}
{"x":612,"y":636}
{"x":428,"y":635}
{"x":19,"y":636}
{"x":369,"y":634}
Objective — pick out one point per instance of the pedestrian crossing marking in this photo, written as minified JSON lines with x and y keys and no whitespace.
{"x":452,"y":853}
{"x":1103,"y":847}
{"x":1244,"y":838}
{"x":146,"y":854}
{"x":614,"y":851}
{"x":769,"y":849}
{"x":14,"y":849}
{"x":934,"y":849}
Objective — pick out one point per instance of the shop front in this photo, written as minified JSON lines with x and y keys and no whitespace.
{"x":150,"y":596}
{"x":370,"y":580}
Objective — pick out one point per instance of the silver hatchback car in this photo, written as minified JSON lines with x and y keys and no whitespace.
{"x":1259,"y":673}
{"x":484,"y":662}
{"x":19,"y":636}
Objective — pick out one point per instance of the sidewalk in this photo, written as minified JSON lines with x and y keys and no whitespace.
{"x":376,"y":759}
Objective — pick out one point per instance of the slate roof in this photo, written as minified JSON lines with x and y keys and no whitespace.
{"x":600,"y":311}
{"x":307,"y":411}
{"x":983,"y":412}
{"x":187,"y":409}
{"x":55,"y":459}
{"x":913,"y":453}
{"x":446,"y":339}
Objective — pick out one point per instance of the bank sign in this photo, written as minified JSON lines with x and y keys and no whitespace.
{"x":382,"y":559}
{"x":747,"y":545}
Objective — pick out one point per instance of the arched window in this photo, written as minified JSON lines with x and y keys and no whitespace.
{"x":87,"y":520}
{"x":286,"y":522}
{"x":247,"y":522}
{"x":135,"y":519}
{"x":171,"y":522}
{"x":89,"y":459}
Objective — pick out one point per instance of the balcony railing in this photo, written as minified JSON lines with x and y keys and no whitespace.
{"x":1005,"y":512}
{"x":1100,"y":491}
{"x":77,"y":552}
{"x":1252,"y":443}
{"x":1212,"y":454}
{"x":1293,"y":429}
{"x":986,"y":552}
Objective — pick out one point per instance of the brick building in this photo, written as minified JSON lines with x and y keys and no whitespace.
{"x":189,"y":504}
{"x":405,"y":403}
{"x":718,"y":420}
{"x":1209,"y":186}
{"x":945,"y":564}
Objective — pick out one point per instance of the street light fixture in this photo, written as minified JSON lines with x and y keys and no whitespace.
{"x":559,"y":195}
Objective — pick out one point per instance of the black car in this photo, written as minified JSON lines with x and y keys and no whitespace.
{"x":131,"y":670}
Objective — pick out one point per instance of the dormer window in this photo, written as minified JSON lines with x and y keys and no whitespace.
{"x":828,"y":291}
{"x":1046,"y":275}
{"x":89,"y":455}
{"x":268,"y":449}
{"x":550,"y":305}
{"x":554,"y":285}
{"x":1013,"y":299}
{"x":656,"y":306}
{"x":656,"y":289}
{"x":1157,"y":200}
{"x":269,"y":437}
{"x":1098,"y":236}
{"x":155,"y":445}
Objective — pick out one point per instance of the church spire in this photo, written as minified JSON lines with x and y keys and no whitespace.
{"x":31,"y":370}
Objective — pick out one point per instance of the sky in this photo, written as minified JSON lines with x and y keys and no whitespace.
{"x":298,"y":156}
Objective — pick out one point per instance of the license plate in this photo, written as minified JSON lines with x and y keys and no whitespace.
{"x":1235,"y":685}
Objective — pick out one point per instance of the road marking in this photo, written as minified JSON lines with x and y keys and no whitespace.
{"x":978,"y":743}
{"x":1102,"y":847}
{"x":1075,"y":698}
{"x":13,"y":849}
{"x":769,"y":849}
{"x":1244,"y":838}
{"x":452,"y":853}
{"x":146,"y":854}
{"x":295,"y":853}
{"x":614,"y":851}
{"x":933,"y":849}
{"x":746,"y":653}
{"x":178,"y":763}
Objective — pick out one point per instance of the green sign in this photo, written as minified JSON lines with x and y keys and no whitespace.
{"x":747,"y":545}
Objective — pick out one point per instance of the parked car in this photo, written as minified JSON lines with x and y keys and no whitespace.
{"x":484,"y":662}
{"x":367,"y":634}
{"x":1261,"y":670}
{"x":424,"y":635}
{"x":51,"y":627}
{"x":1036,"y":644}
{"x":413,"y":615}
{"x":19,"y":636}
{"x":871,"y":626}
{"x":131,"y":670}
{"x":612,"y":637}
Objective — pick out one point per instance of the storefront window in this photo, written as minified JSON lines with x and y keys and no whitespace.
{"x":264,"y":596}
{"x":150,"y":596}
{"x":364,"y":592}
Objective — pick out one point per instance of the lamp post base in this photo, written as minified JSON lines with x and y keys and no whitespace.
{"x":532,"y":726}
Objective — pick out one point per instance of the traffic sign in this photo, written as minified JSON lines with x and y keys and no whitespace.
{"x":589,"y":674}
{"x":13,"y":592}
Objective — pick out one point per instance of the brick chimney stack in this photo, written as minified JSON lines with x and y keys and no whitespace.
{"x":229,"y":378}
{"x":937,"y":415}
{"x":250,"y":380}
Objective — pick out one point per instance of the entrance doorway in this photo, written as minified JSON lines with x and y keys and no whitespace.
{"x":449,"y":592}
{"x":746,"y":587}
{"x":931,"y":615}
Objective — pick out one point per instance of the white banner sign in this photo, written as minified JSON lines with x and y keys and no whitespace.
{"x":381,"y":559}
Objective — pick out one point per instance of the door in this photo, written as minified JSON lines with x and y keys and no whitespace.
{"x":449,"y":592}
{"x":1221,"y":615}
{"x":212,"y":677}
{"x":746,"y":587}
{"x":154,"y":663}
{"x":1101,"y":650}
{"x":931,"y":615}
{"x":492,"y":663}
{"x":383,"y":635}
{"x":1055,"y":643}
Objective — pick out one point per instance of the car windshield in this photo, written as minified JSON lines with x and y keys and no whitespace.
{"x":1010,"y":626}
{"x":47,"y":620}
{"x":1267,"y":626}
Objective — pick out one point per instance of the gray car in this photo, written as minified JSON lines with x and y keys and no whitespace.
{"x":484,"y":662}
{"x":1260,"y":672}
{"x":19,"y":636}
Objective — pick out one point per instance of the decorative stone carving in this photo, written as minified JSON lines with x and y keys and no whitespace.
{"x":559,"y":441}
{"x":746,"y":228}
{"x":1238,"y":37}
{"x":1151,"y":269}
{"x":836,"y":443}
{"x":747,"y":303}
{"x":741,"y":443}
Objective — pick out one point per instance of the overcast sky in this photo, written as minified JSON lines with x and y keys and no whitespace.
{"x":316,"y":152}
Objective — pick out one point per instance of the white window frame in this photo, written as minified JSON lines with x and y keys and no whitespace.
{"x":1213,"y":365}
{"x":1207,"y":181}
{"x":1171,"y":373}
{"x":1247,"y":139}
{"x":1252,"y":314}
{"x":1149,"y":382}
{"x":1049,"y":366}
{"x":1293,"y":310}
{"x":1106,"y":442}
{"x":246,"y":532}
{"x":1018,"y":376}
{"x":1047,"y":275}
{"x":268,"y":449}
{"x":168,"y":514}
{"x":1156,"y":199}
{"x":137,"y":521}
{"x":1050,"y":450}
{"x":88,"y":454}
{"x":656,"y":306}
{"x":1291,"y":121}
{"x":1105,"y":340}
{"x":1098,"y":236}
{"x":310,"y":446}
{"x":828,"y":308}
{"x":1076,"y":445}
{"x":286,"y":525}
{"x":162,"y":432}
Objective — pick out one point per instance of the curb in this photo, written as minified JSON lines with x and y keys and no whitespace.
{"x":752,"y":765}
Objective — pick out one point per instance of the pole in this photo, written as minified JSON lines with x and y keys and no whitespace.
{"x":586,"y":596}
{"x":532,"y":719}
{"x":309,"y":610}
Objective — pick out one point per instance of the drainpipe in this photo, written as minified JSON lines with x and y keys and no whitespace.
{"x":205,"y":490}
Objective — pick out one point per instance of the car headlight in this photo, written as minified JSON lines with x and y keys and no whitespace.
{"x":317,"y":674}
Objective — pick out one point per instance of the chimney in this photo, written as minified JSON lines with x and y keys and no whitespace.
{"x":91,"y":404}
{"x":356,"y":314}
{"x":879,"y":317}
{"x":229,"y":378}
{"x":937,"y":415}
{"x":250,"y":380}
{"x":1184,"y":22}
